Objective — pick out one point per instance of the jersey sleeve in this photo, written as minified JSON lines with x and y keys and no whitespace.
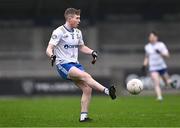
{"x":81,"y":42}
{"x":55,"y":37}
{"x":164,"y":49}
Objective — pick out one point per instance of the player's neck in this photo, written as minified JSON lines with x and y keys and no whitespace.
{"x":68,"y":26}
{"x":153,"y":43}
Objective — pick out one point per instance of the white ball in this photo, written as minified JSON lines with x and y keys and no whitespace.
{"x":135,"y":86}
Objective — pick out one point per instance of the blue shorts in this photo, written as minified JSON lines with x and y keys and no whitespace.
{"x":161,"y":71}
{"x":63,"y":69}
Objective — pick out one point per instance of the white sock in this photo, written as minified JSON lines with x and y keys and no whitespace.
{"x":106,"y":91}
{"x":83,"y":115}
{"x":159,"y":98}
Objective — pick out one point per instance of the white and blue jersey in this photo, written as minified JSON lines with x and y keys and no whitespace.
{"x":66,"y":44}
{"x":156,"y":61}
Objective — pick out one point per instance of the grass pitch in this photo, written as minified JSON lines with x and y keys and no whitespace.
{"x":64,"y":111}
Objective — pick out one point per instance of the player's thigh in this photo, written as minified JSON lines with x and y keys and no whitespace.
{"x":77,"y":74}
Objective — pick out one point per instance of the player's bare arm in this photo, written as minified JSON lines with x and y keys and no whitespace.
{"x":85,"y":49}
{"x":145,"y":63}
{"x":165,"y":55}
{"x":49,"y":50}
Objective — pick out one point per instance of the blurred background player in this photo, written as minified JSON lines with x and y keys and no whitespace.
{"x":156,"y":51}
{"x":63,"y":50}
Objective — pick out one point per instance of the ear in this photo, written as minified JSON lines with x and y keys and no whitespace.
{"x":69,"y":18}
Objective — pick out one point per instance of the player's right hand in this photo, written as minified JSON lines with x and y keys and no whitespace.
{"x":53,"y":59}
{"x":94,"y":55}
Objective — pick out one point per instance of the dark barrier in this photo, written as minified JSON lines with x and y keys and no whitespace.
{"x":40,"y":86}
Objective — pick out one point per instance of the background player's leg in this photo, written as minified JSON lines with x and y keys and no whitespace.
{"x":156,"y":80}
{"x":167,"y":80}
{"x":85,"y":99}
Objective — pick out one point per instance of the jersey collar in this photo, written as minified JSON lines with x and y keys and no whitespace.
{"x":68,"y":29}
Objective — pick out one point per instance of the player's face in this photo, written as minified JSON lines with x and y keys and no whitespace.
{"x":74,"y":21}
{"x":152,"y":38}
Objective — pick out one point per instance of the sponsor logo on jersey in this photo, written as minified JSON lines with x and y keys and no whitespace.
{"x":66,"y":46}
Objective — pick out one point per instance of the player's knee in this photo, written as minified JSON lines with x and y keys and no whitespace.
{"x":156,"y":83}
{"x":85,"y":76}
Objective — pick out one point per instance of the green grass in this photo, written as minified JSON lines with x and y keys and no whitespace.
{"x":64,"y":111}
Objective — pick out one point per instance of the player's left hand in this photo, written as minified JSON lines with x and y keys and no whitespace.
{"x":144,"y":69}
{"x":53,"y":59}
{"x":157,"y":51}
{"x":94,"y":55}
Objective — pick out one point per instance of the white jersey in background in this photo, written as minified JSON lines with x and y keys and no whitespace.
{"x":66,"y":44}
{"x":156,"y":61}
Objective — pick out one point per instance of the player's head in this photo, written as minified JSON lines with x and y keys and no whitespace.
{"x":72,"y":16}
{"x":153,"y":37}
